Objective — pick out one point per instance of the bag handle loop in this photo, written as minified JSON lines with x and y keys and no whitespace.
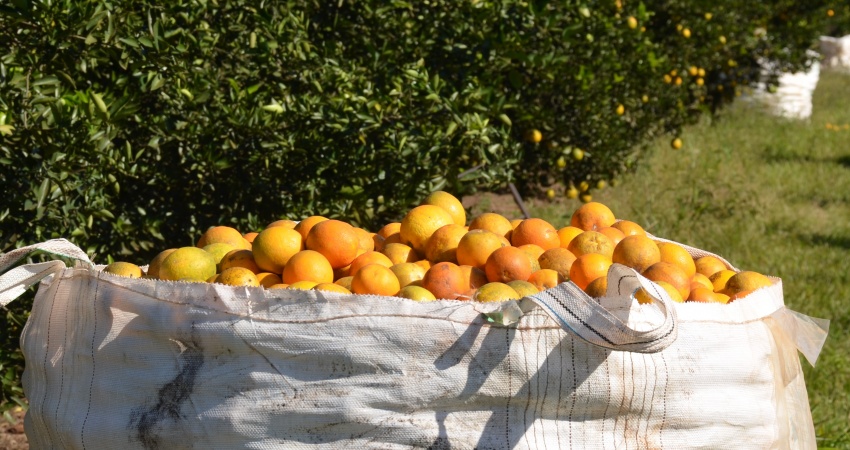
{"x":14,"y":282}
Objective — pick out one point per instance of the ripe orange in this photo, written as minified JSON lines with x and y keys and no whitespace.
{"x":545,"y":279}
{"x":279,"y":286}
{"x":389,"y":229}
{"x":495,"y":292}
{"x":407,"y":272}
{"x":598,"y":287}
{"x":345,"y":282}
{"x":614,"y":234}
{"x":335,"y":240}
{"x":558,"y":259}
{"x":738,"y":295}
{"x":442,"y":245}
{"x":536,"y":231}
{"x":399,"y":253}
{"x":523,"y":288}
{"x":218,"y":250}
{"x":746,"y":281}
{"x":672,"y":274}
{"x":237,"y":276}
{"x":591,"y":242}
{"x":703,"y":295}
{"x":448,"y":202}
{"x":420,"y":223}
{"x":702,"y":281}
{"x":250,"y":236}
{"x":189,"y":264}
{"x":307,"y":224}
{"x":156,"y":262}
{"x":476,"y":246}
{"x":223,"y":234}
{"x":589,"y":267}
{"x":592,"y":216}
{"x":636,"y":251}
{"x":124,"y":269}
{"x":239,"y":258}
{"x":274,"y":246}
{"x":286,"y":223}
{"x":473,"y":277}
{"x":567,"y":234}
{"x":331,"y":287}
{"x":366,"y":258}
{"x":445,"y":280}
{"x":507,"y":264}
{"x":719,"y":279}
{"x":629,"y":228}
{"x":677,"y":255}
{"x":416,"y":293}
{"x":491,"y":221}
{"x":643,"y":297}
{"x":303,"y":285}
{"x":367,"y":241}
{"x":532,"y":250}
{"x":268,"y":279}
{"x":307,"y":265}
{"x":709,"y":265}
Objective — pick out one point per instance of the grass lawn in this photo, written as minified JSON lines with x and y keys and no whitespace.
{"x":770,"y":195}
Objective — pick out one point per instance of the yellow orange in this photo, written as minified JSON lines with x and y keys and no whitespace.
{"x":567,"y":234}
{"x":124,"y":269}
{"x":719,"y":279}
{"x":589,"y":267}
{"x":643,"y":297}
{"x":703,"y":295}
{"x":448,"y":202}
{"x":476,"y":246}
{"x":375,"y":279}
{"x":701,"y":280}
{"x":237,"y":276}
{"x":307,"y":224}
{"x":592,"y":216}
{"x":614,"y":234}
{"x":545,"y":279}
{"x":274,"y":246}
{"x":558,"y":259}
{"x":268,"y":279}
{"x":239,"y":258}
{"x":407,"y":272}
{"x":591,"y":242}
{"x":677,"y":255}
{"x":709,"y":265}
{"x":188,"y":264}
{"x":746,"y":281}
{"x":416,"y":293}
{"x":286,"y":223}
{"x":598,"y":287}
{"x":523,"y":288}
{"x":156,"y":262}
{"x":491,"y":221}
{"x":399,"y":253}
{"x":331,"y":287}
{"x":536,"y":231}
{"x":303,"y":285}
{"x":279,"y":286}
{"x":307,"y":265}
{"x":629,"y":228}
{"x":420,"y":223}
{"x":495,"y":292}
{"x":224,"y":234}
{"x":218,"y":250}
{"x":636,"y":251}
{"x":345,"y":282}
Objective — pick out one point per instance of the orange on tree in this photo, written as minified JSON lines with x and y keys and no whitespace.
{"x":307,"y":265}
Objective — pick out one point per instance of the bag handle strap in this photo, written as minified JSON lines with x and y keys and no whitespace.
{"x":14,"y":282}
{"x":588,"y":319}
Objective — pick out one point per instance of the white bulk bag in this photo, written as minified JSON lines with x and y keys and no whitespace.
{"x":836,"y":52}
{"x":120,"y":363}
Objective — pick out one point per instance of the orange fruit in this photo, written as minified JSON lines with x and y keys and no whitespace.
{"x":303,"y":285}
{"x":677,"y":255}
{"x":218,"y":250}
{"x":636,"y":251}
{"x":592,"y":216}
{"x":545,"y":279}
{"x":239,"y":258}
{"x":331,"y":287}
{"x":536,"y":231}
{"x":589,"y":267}
{"x":424,"y":263}
{"x":709,"y":265}
{"x":643,"y":297}
{"x":399,"y":253}
{"x":737,"y":295}
{"x":335,"y":240}
{"x":629,"y":228}
{"x":416,"y":293}
{"x":507,"y":264}
{"x":223,"y":234}
{"x":189,"y":264}
{"x":407,"y":273}
{"x":375,"y":279}
{"x":491,"y":221}
{"x":286,"y":223}
{"x":124,"y":269}
{"x":614,"y":234}
{"x":591,"y":242}
{"x":378,"y":242}
{"x":495,"y":292}
{"x":212,"y":278}
{"x":567,"y":234}
{"x":307,"y":224}
{"x":238,"y":276}
{"x":156,"y":262}
{"x":701,"y":280}
{"x":598,"y":287}
{"x":445,"y":280}
{"x":274,"y":246}
{"x":268,"y":279}
{"x":473,"y":277}
{"x":250,"y":236}
{"x":523,"y":288}
{"x":719,"y":279}
{"x":389,"y":229}
{"x":345,"y":282}
{"x":533,"y":250}
{"x":420,"y":223}
{"x":671,"y":274}
{"x":746,"y":281}
{"x":307,"y":265}
{"x":367,"y":241}
{"x":514,"y":223}
{"x":442,"y":245}
{"x":476,"y":246}
{"x":558,"y":259}
{"x":366,"y":258}
{"x":448,"y":202}
{"x":702,"y":295}
{"x":279,"y":286}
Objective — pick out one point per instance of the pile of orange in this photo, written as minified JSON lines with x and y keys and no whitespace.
{"x":433,"y":253}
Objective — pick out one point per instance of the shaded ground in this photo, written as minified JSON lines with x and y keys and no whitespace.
{"x":12,"y":435}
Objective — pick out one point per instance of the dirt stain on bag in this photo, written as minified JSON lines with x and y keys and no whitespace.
{"x":145,"y":420}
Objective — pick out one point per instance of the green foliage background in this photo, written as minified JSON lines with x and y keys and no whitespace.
{"x":129,"y":126}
